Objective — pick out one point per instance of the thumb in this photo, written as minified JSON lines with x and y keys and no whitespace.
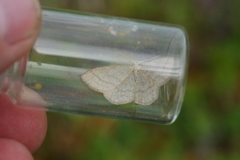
{"x":19,"y":27}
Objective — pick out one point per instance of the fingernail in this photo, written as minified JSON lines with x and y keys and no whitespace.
{"x":18,"y":19}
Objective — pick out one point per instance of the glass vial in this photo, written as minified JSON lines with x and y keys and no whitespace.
{"x":102,"y":66}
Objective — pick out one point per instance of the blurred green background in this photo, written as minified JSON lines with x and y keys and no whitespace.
{"x":208,"y":126}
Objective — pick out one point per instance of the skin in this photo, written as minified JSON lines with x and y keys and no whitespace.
{"x":22,"y":131}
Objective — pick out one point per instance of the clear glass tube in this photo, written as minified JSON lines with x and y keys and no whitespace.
{"x":102,"y":66}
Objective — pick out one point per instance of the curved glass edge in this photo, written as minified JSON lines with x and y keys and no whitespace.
{"x":183,"y":84}
{"x":11,"y":81}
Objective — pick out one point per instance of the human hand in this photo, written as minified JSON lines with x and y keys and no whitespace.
{"x":21,"y":131}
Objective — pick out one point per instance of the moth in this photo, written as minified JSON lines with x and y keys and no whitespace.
{"x":138,"y":83}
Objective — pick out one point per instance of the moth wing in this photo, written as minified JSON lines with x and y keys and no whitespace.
{"x":146,"y":91}
{"x":104,"y":79}
{"x":123,"y":93}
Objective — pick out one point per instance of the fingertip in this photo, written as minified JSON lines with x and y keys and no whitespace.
{"x":11,"y":149}
{"x":23,"y":125}
{"x":19,"y":19}
{"x":19,"y":27}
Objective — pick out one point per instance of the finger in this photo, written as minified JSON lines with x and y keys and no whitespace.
{"x":10,"y":149}
{"x":19,"y":27}
{"x":25,"y":126}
